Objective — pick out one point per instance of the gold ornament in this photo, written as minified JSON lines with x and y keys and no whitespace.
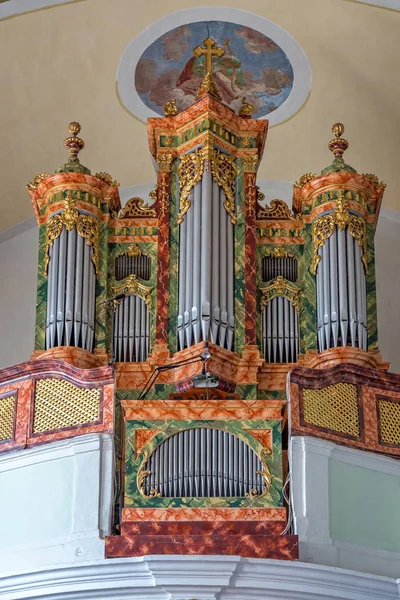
{"x":279,"y":252}
{"x":339,"y":144}
{"x":106,"y":177}
{"x":132,"y":251}
{"x":74,"y":143}
{"x":208,"y":86}
{"x":281,"y":287}
{"x":277,"y":210}
{"x":250,"y":163}
{"x":164,"y":160}
{"x":191,"y":169}
{"x":304,"y":179}
{"x":374,"y":180}
{"x":130,"y":285}
{"x":136,"y":207}
{"x":32,"y":185}
{"x":170,"y":108}
{"x":246,"y":110}
{"x":265,"y":474}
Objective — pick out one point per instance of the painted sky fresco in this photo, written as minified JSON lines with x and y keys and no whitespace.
{"x":252,"y":66}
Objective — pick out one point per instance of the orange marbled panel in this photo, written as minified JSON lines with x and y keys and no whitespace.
{"x":203,"y":514}
{"x":264,"y":436}
{"x":75,"y":356}
{"x":133,"y":222}
{"x":273,"y":376}
{"x":132,"y":375}
{"x":279,"y":224}
{"x":333,"y":356}
{"x":203,"y":409}
{"x":142,"y":437}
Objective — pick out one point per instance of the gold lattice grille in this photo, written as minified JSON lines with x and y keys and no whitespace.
{"x":389,"y":413}
{"x":59,"y":403}
{"x":7,"y":408}
{"x":333,"y":407}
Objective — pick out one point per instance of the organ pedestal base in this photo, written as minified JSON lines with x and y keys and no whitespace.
{"x":250,"y":539}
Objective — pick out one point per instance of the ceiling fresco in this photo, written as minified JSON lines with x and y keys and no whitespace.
{"x":253,"y":65}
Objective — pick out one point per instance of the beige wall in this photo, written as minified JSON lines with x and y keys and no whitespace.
{"x":18,"y":263}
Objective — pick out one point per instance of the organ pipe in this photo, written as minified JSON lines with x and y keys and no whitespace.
{"x":206,"y":269}
{"x":131,"y":330}
{"x":280,"y":331}
{"x":341,"y":292}
{"x":204,"y":463}
{"x":71,"y":292}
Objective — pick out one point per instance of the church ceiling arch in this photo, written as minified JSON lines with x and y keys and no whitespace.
{"x":261,"y":61}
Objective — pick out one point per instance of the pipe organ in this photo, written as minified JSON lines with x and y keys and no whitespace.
{"x":202,"y":301}
{"x":204,"y":463}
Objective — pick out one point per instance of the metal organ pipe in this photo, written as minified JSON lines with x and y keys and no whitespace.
{"x":341,"y":293}
{"x":203,"y":463}
{"x":71,"y":292}
{"x":131,"y":330}
{"x":281,"y":336}
{"x":206,"y":269}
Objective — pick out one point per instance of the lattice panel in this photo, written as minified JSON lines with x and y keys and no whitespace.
{"x":389,"y":413}
{"x":333,"y":407}
{"x":59,"y":404}
{"x":7,"y":410}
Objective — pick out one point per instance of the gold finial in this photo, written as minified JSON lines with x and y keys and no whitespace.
{"x":170,"y":108}
{"x":246,"y":110}
{"x":74,"y":143}
{"x":208,"y":86}
{"x":338,"y":145}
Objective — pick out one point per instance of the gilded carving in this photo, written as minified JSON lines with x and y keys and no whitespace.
{"x":304,"y":179}
{"x":278,"y":209}
{"x":131,"y":285}
{"x":224,"y":172}
{"x":142,"y":474}
{"x":164,"y":160}
{"x":106,"y":177}
{"x":279,"y":252}
{"x":32,"y":185}
{"x":133,"y":250}
{"x":190,"y":172}
{"x":324,"y":226}
{"x":375,"y":180}
{"x":281,"y":287}
{"x":170,"y":108}
{"x":86,"y":226}
{"x":250,"y":163}
{"x":265,"y":474}
{"x":136,"y":207}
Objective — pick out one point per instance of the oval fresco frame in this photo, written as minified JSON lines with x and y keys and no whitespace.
{"x":302,"y":79}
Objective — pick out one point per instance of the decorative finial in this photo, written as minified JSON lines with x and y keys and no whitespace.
{"x":338,"y":145}
{"x":74,"y":143}
{"x":170,"y":108}
{"x":246,"y":110}
{"x":208,"y":86}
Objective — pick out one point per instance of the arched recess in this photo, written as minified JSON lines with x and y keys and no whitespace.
{"x":204,"y":462}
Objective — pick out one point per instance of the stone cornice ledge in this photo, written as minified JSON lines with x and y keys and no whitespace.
{"x":200,"y":578}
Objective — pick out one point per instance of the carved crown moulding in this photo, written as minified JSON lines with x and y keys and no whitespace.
{"x":278,"y":210}
{"x":137,"y":208}
{"x":130,"y":285}
{"x":281,"y":287}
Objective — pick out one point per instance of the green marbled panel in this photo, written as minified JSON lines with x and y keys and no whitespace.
{"x":271,"y":395}
{"x":239,"y":249}
{"x":133,"y":497}
{"x":125,"y":230}
{"x":149,"y":249}
{"x":41,"y":302}
{"x":161,"y":391}
{"x":247,"y":391}
{"x":308,"y":299}
{"x":173,"y":260}
{"x":372,"y":320}
{"x":103,"y":319}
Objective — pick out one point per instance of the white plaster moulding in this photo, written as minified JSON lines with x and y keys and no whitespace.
{"x":200,"y":577}
{"x":391,"y":4}
{"x":11,"y":8}
{"x":301,"y":67}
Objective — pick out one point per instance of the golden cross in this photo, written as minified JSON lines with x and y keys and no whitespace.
{"x":209,"y":51}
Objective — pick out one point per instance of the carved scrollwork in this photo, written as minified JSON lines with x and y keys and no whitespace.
{"x":86,"y":226}
{"x":32,"y":185}
{"x":190,"y":172}
{"x":304,"y":179}
{"x":142,"y":474}
{"x":137,"y":207}
{"x":224,"y":172}
{"x":265,"y":474}
{"x":278,"y":209}
{"x":324,"y":226}
{"x":130,"y":285}
{"x":281,"y":287}
{"x":191,"y":169}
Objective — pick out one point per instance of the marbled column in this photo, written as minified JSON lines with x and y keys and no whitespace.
{"x":163,"y":189}
{"x":250,"y":253}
